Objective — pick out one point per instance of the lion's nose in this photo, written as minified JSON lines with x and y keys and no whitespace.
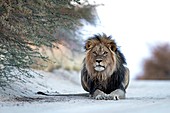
{"x":98,"y":60}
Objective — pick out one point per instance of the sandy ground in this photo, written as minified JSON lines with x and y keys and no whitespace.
{"x":142,"y":97}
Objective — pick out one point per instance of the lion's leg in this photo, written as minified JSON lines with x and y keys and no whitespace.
{"x":84,"y":79}
{"x":117,"y":94}
{"x":100,"y":95}
{"x":126,"y":79}
{"x":84,"y":84}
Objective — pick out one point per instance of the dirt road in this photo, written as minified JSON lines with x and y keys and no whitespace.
{"x":142,"y":97}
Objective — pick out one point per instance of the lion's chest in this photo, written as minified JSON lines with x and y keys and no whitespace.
{"x":107,"y":85}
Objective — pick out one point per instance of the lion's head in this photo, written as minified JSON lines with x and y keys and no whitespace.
{"x":101,"y":58}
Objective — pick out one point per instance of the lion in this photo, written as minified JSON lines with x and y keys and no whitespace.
{"x":104,"y":74}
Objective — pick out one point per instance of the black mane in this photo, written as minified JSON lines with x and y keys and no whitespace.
{"x":99,"y":36}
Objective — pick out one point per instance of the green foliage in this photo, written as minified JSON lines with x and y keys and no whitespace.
{"x":26,"y":25}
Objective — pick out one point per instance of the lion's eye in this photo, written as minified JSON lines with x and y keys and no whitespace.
{"x":105,"y":53}
{"x":94,"y":53}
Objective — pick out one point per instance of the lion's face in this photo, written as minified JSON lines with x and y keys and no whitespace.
{"x":100,"y":56}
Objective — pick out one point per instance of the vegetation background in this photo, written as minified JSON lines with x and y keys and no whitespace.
{"x":41,"y":34}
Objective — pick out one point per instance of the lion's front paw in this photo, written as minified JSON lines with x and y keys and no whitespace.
{"x":100,"y":95}
{"x":117,"y":94}
{"x":103,"y":97}
{"x":114,"y":97}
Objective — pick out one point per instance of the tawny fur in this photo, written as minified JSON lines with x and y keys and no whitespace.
{"x":103,"y":70}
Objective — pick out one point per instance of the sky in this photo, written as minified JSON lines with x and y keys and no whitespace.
{"x":136,"y":25}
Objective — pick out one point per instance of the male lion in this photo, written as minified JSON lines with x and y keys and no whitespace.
{"x":104,"y":75}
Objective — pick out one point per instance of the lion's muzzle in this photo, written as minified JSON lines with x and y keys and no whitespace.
{"x":99,"y":65}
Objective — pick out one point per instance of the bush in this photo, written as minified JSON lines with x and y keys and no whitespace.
{"x":27,"y":25}
{"x":157,"y":67}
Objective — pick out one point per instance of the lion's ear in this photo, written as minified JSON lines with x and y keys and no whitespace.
{"x":88,"y":45}
{"x":113,"y":46}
